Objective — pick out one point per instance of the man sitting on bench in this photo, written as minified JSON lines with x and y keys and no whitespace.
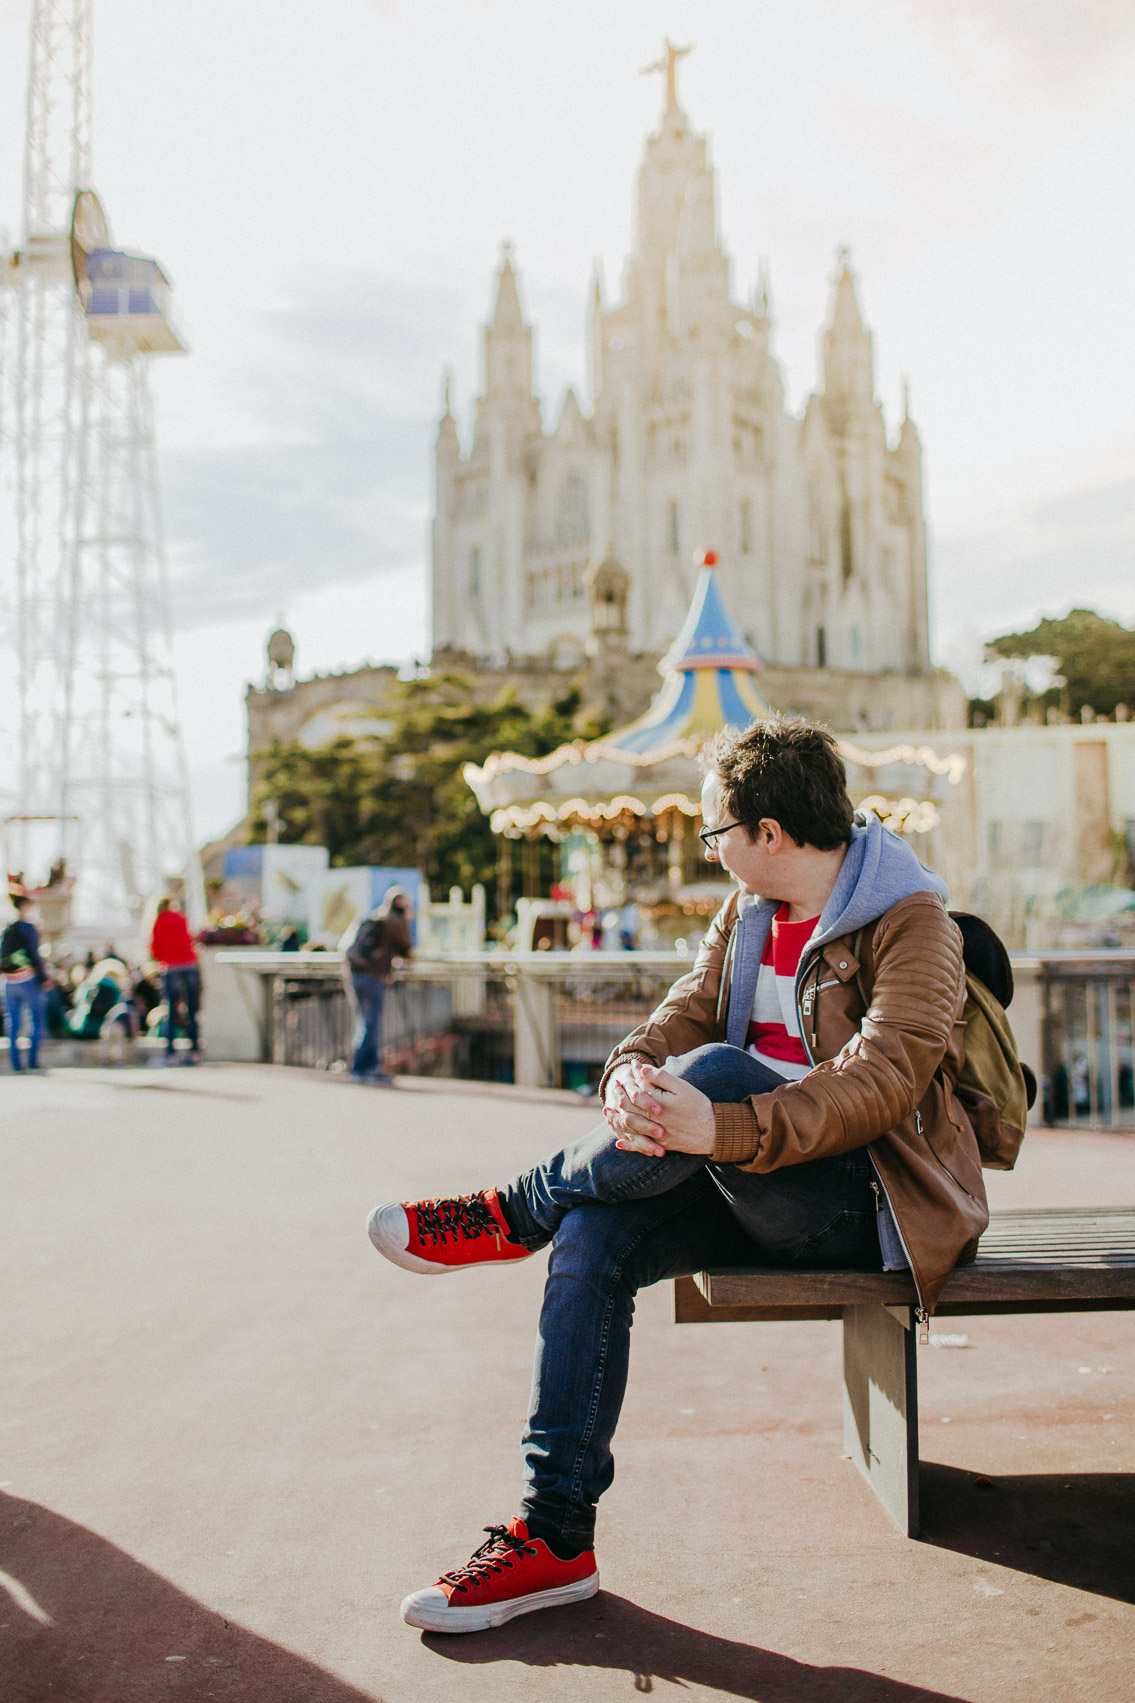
{"x":760,"y":1115}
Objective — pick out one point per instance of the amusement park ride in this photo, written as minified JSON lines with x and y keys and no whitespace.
{"x":96,"y":786}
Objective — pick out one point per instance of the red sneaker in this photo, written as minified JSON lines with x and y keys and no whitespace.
{"x":436,"y":1236}
{"x":510,"y":1574}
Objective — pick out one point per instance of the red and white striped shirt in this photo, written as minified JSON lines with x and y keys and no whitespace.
{"x":774,"y":1028}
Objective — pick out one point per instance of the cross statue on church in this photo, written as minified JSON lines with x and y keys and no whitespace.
{"x":669,"y":64}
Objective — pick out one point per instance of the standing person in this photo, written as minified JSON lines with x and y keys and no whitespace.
{"x":766,"y":1113}
{"x":380,"y":939}
{"x":171,"y":947}
{"x":24,"y":978}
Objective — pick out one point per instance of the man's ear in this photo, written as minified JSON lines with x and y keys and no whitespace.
{"x":771,"y":834}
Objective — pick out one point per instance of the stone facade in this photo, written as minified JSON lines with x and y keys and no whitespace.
{"x":817,"y":519}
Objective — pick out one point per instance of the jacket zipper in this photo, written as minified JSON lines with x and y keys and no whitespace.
{"x":801,"y":1013}
{"x":920,"y":1312}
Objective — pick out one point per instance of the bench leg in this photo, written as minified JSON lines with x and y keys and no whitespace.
{"x":880,"y":1406}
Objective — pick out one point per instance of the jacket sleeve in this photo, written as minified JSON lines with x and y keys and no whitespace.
{"x":882,"y":1073}
{"x":687,"y":1016}
{"x":33,"y":952}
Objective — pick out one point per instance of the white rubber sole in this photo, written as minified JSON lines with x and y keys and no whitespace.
{"x":389,"y":1230}
{"x":431,"y":1612}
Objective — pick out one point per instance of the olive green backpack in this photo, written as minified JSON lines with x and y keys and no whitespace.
{"x":995,"y":1088}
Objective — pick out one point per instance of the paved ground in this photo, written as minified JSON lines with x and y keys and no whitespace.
{"x":232,"y":1437}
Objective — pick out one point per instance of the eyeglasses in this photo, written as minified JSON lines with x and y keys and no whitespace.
{"x":710,"y":836}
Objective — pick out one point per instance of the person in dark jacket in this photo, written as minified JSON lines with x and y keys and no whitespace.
{"x":24,"y":976}
{"x":380,"y":941}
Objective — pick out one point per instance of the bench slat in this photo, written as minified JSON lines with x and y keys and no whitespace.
{"x":773,"y":1286}
{"x":1026,"y":1258}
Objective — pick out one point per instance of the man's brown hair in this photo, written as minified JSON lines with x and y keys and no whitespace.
{"x":788,"y":770}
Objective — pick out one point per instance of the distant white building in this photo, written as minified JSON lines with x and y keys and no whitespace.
{"x":817,"y":519}
{"x":1032,"y":826}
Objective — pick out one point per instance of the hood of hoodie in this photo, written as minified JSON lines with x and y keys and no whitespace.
{"x":879,"y":869}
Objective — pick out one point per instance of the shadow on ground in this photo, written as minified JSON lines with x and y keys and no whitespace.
{"x":82,"y":1622}
{"x":1072,"y":1528}
{"x":610,"y":1632}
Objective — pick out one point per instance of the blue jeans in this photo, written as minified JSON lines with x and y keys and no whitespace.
{"x":619,"y":1221}
{"x":370,"y":992}
{"x":18,"y":998}
{"x":183,"y":983}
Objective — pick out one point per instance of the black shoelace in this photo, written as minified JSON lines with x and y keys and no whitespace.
{"x":467,"y":1216}
{"x":500,"y":1549}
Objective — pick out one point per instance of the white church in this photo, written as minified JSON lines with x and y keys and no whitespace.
{"x":816,"y":519}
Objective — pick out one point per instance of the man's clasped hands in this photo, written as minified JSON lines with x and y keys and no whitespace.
{"x":654,"y":1112}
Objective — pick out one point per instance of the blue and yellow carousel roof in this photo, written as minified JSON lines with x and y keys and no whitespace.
{"x":649,"y":768}
{"x":709,"y":679}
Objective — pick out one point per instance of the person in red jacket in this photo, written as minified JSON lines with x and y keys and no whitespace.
{"x":171,"y":946}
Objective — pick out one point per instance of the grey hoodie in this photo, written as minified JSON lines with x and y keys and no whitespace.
{"x":878,"y":870}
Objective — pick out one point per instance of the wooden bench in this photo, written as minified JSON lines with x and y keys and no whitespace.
{"x":1047,"y":1261}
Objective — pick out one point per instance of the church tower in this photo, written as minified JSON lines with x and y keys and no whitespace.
{"x":686,"y":390}
{"x":816,"y":520}
{"x":480,"y":512}
{"x":865,"y":500}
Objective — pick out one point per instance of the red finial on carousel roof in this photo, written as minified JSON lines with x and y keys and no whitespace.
{"x":708,"y":559}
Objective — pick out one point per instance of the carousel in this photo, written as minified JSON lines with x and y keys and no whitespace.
{"x":624,"y":810}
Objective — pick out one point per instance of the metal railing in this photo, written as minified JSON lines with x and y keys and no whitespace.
{"x":1087,"y":1006}
{"x":542,"y":1019}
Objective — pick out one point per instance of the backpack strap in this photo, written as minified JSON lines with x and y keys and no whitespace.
{"x":729,"y":919}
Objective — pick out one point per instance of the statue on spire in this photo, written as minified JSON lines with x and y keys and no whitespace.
{"x":669,"y":65}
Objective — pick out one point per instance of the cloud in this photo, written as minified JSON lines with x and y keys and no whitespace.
{"x":1043,"y":558}
{"x":328,"y":480}
{"x":937,"y":172}
{"x":1066,"y":51}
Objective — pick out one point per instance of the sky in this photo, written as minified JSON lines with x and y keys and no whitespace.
{"x":328,"y":186}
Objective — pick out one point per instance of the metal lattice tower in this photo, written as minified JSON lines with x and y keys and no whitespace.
{"x":101,"y":780}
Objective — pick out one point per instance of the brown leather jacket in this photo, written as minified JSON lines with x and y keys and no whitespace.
{"x":884,"y":1076}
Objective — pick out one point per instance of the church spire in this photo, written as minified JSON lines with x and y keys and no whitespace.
{"x":447,"y":445}
{"x":846,"y":320}
{"x":508,"y":340}
{"x":507,"y":316}
{"x":676,"y":222}
{"x":847,"y":351}
{"x":762,"y":299}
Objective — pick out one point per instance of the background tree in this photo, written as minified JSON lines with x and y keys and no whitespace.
{"x":401,"y":799}
{"x":1095,"y":657}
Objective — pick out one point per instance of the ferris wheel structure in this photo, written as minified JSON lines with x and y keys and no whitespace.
{"x":92,"y":773}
